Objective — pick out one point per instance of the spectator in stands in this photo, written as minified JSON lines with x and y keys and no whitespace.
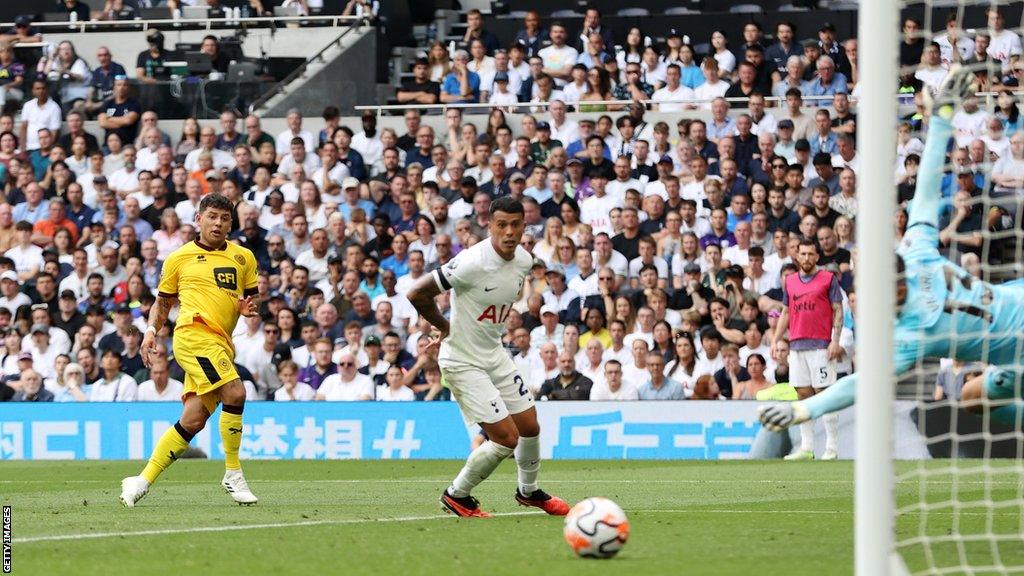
{"x":558,"y":58}
{"x":32,"y":389}
{"x":421,"y":89}
{"x":211,"y":47}
{"x":532,"y":36}
{"x":42,"y":112}
{"x":284,"y":139}
{"x":461,"y":85}
{"x":150,"y":65}
{"x":475,"y":31}
{"x":76,"y":10}
{"x":569,"y":384}
{"x":120,"y":114}
{"x":113,"y":385}
{"x":12,"y":76}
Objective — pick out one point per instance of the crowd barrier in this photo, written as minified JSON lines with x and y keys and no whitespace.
{"x":416,"y":430}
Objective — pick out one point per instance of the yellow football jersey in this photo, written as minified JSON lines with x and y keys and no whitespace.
{"x":208,"y":283}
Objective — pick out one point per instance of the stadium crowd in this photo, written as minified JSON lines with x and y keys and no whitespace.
{"x":659,"y":248}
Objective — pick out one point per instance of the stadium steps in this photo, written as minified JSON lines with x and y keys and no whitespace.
{"x":314,"y":82}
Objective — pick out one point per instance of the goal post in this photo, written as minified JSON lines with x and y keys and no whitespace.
{"x":874,"y":498}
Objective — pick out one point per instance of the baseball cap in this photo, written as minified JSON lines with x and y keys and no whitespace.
{"x":503,"y":77}
{"x":349,"y":182}
{"x":543,"y":126}
{"x":26,"y":355}
{"x":10,"y":275}
{"x":802,"y":145}
{"x":828,"y":26}
{"x":213,"y":175}
{"x":371,"y":340}
{"x":556,"y":269}
{"x":122,"y":308}
{"x":665,"y":158}
{"x":68,"y":295}
{"x":691,"y":268}
{"x":101,"y":179}
{"x":39,"y":328}
{"x":786,"y":123}
{"x":548,"y":309}
{"x":574,"y":162}
{"x":517,"y":175}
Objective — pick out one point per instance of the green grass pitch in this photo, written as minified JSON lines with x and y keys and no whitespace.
{"x":383,"y":517}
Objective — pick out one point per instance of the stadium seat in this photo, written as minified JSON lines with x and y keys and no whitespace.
{"x":566,"y":14}
{"x":746,"y":9}
{"x":680,"y":11}
{"x":792,"y":8}
{"x":634,"y":12}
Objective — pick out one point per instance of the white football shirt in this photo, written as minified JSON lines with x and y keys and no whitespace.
{"x":485,"y":286}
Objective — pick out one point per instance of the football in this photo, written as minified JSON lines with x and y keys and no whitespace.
{"x":596,"y":528}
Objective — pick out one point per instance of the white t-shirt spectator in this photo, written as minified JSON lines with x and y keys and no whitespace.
{"x":964,"y":45}
{"x":709,"y":92}
{"x":503,"y":99}
{"x":968,"y":127}
{"x":668,"y":100}
{"x":334,"y":390}
{"x":636,"y":263}
{"x":1003,"y":46}
{"x":618,"y":189}
{"x":147,"y":392}
{"x":122,"y":388}
{"x":221,"y":160}
{"x":370,"y":147}
{"x":310,"y":164}
{"x":283,"y":143}
{"x":556,"y":58}
{"x":627,"y":391}
{"x":594,"y":212}
{"x":403,"y":394}
{"x":303,"y":393}
{"x":26,"y":258}
{"x":1008,"y":166}
{"x":931,"y":77}
{"x":317,"y":266}
{"x":568,"y":132}
{"x":39,"y":117}
{"x":13,"y":304}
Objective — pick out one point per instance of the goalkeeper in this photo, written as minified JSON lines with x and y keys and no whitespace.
{"x":942,"y":311}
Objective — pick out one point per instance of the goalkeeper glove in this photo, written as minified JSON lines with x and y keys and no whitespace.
{"x":778,"y":417}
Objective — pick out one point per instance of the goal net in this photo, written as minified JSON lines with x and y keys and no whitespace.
{"x":959,"y":510}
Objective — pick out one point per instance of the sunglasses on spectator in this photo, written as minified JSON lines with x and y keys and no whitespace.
{"x":271,"y":331}
{"x":346,"y":364}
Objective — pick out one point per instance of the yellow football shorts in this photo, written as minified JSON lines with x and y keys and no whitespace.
{"x":207,"y":359}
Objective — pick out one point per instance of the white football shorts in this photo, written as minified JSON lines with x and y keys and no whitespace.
{"x":486,"y":396}
{"x":811,"y":368}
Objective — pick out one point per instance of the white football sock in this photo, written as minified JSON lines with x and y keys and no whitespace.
{"x":478,"y":467}
{"x":831,"y":422}
{"x":528,"y":462}
{"x":807,"y":436}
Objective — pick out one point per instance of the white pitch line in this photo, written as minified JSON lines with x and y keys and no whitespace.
{"x":349,"y":521}
{"x":546,"y":481}
{"x":196,"y":529}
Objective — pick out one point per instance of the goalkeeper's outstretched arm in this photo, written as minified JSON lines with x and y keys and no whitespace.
{"x":924,"y":208}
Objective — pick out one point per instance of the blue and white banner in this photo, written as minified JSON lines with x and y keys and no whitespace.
{"x":395,"y":430}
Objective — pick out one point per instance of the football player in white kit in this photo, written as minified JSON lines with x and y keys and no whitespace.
{"x":486,"y":279}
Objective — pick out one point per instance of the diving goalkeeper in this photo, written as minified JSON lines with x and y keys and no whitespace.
{"x":942,"y":311}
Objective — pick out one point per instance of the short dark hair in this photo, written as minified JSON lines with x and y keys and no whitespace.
{"x":216,"y":201}
{"x":506,"y":204}
{"x":808,"y":242}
